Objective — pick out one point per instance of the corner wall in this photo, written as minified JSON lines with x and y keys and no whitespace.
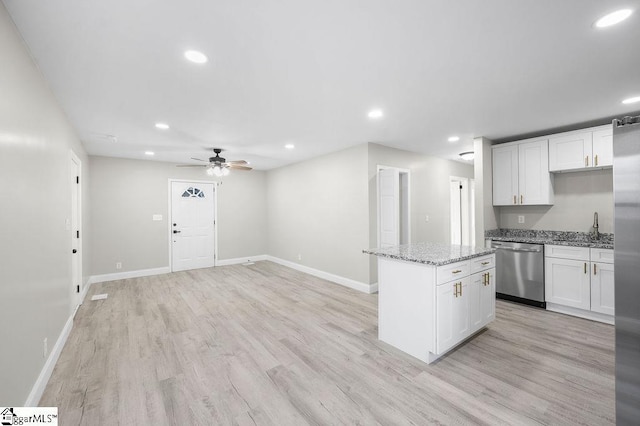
{"x":35,"y":270}
{"x":318,"y":209}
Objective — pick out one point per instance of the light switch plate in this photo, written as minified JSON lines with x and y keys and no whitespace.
{"x":157,"y":217}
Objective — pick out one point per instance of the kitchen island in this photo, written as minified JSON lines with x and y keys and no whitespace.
{"x":432,"y":297}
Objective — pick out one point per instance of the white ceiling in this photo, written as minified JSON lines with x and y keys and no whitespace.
{"x":307,"y":72}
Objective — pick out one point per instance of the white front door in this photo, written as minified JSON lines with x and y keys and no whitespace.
{"x":192,"y":225}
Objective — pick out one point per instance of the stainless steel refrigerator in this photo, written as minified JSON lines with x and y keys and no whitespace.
{"x":626,"y":188}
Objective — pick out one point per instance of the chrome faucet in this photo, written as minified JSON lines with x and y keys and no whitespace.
{"x":596,"y":232}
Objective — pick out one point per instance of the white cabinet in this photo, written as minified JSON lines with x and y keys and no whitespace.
{"x":452,"y":313}
{"x":580,"y":281}
{"x":465,"y":304}
{"x":521,"y":174}
{"x":425,"y":317}
{"x":581,"y":150}
{"x":567,"y":282}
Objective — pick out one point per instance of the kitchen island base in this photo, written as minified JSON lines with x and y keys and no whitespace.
{"x":427,"y":310}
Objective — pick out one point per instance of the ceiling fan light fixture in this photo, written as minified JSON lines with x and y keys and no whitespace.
{"x":225,"y":172}
{"x":467,"y":156}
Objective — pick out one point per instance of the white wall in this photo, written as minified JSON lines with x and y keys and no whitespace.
{"x":319,"y":209}
{"x":127,"y":193}
{"x":35,"y":268}
{"x":577,"y":196}
{"x":429,"y":193}
{"x":485,"y":214}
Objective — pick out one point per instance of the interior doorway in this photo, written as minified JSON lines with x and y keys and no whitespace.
{"x":192,"y":228}
{"x":75,"y":225}
{"x":462,"y":199}
{"x":394,"y":225}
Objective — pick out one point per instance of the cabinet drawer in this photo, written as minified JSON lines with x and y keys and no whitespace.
{"x":567,"y":252}
{"x":602,"y":255}
{"x":482,"y":263}
{"x":452,"y":271}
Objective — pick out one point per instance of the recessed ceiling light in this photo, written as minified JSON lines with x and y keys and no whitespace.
{"x":375,"y":113}
{"x":454,"y":139}
{"x":195,"y":56}
{"x":149,"y":153}
{"x":613,"y":18}
{"x":289,"y":146}
{"x":468,"y":156}
{"x":162,"y":126}
{"x":631,"y":100}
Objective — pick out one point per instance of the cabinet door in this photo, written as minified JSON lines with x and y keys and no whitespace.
{"x":602,"y":288}
{"x":603,"y":148}
{"x":476,"y":283}
{"x":505,"y":175}
{"x":570,"y":152}
{"x":452,"y":314}
{"x":488,"y":297}
{"x":534,"y":180}
{"x":567,"y":282}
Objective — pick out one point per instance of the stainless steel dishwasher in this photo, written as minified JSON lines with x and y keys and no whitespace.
{"x":520,"y":272}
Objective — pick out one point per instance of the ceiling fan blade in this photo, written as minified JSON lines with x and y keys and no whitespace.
{"x":197,"y":159}
{"x":191,"y":165}
{"x":237,"y":162}
{"x":236,"y":167}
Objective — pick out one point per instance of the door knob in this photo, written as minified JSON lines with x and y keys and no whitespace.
{"x":176,"y":231}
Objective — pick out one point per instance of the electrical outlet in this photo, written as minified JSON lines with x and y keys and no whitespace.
{"x":45,"y":348}
{"x":118,"y":265}
{"x":520,"y":219}
{"x":426,"y":218}
{"x":299,"y":256}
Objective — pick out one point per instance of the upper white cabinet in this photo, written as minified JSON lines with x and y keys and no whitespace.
{"x":581,"y":150}
{"x":521,"y":174}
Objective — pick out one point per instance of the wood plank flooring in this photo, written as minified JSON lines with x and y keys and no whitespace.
{"x":268,"y":345}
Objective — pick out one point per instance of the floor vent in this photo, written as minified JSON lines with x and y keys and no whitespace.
{"x":99,"y":296}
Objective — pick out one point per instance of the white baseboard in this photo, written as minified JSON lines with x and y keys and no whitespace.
{"x":593,"y":316}
{"x":129,"y":274}
{"x":239,"y":260}
{"x":347,"y":282}
{"x":41,"y":382}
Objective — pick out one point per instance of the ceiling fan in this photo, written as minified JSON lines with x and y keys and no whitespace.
{"x":219,"y":166}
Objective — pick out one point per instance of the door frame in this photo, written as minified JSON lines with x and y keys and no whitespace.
{"x":215,"y":217}
{"x":76,"y":298}
{"x":406,"y":172}
{"x":467,"y":212}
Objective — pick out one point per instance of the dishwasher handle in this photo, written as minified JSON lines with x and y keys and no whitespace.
{"x":519,"y":249}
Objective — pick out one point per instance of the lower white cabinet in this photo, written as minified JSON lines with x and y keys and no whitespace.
{"x":602,"y":288}
{"x":452,"y":308}
{"x":463,"y":307}
{"x":425,"y":316}
{"x":567,"y":282}
{"x":580,"y":281}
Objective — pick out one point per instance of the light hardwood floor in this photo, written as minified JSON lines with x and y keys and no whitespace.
{"x":265,"y":344}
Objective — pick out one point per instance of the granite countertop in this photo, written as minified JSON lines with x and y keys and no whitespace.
{"x":430,"y":253}
{"x":560,"y":238}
